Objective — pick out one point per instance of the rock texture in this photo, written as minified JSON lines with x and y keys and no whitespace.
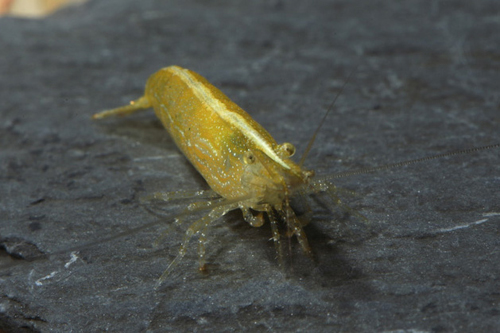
{"x":425,"y":81}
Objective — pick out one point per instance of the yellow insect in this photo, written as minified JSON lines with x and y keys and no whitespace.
{"x":237,"y":157}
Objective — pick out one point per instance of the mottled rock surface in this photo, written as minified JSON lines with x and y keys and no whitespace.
{"x":425,"y":81}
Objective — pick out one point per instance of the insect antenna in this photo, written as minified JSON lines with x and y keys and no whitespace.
{"x":404,"y":163}
{"x":330,"y":108}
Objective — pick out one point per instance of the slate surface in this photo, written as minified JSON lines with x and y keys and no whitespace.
{"x":426,"y":77}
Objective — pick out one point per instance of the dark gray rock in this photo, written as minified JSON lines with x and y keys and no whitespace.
{"x":426,"y":78}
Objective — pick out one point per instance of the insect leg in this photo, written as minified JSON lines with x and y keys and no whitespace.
{"x":201,"y":248}
{"x":195,"y":228}
{"x":192,"y":207}
{"x":296,"y":228}
{"x":250,"y":218}
{"x":137,"y":105}
{"x":165,"y":233}
{"x":179,"y":195}
{"x":276,"y":234}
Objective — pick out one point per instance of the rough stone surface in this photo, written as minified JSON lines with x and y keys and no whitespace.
{"x":425,"y":81}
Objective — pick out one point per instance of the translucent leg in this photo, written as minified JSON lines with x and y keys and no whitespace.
{"x":209,"y":204}
{"x":197,"y":206}
{"x":137,"y":105}
{"x":201,"y":249}
{"x":276,"y":235}
{"x":195,"y":228}
{"x":250,"y":218}
{"x":165,"y":233}
{"x":179,"y":195}
{"x":296,"y":228}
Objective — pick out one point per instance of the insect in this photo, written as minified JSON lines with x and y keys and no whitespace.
{"x":241,"y":162}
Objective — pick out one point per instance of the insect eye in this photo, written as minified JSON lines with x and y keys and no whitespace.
{"x":248,"y":158}
{"x":286,"y":149}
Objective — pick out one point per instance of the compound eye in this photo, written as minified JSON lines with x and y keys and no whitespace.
{"x":249,"y":157}
{"x":286,"y":149}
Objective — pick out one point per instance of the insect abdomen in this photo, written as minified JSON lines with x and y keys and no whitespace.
{"x":201,"y":120}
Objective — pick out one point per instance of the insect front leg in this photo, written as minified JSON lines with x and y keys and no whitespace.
{"x":276,"y":234}
{"x":295,"y":227}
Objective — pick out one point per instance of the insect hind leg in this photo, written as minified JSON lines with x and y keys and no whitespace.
{"x":180,"y":195}
{"x":195,"y":228}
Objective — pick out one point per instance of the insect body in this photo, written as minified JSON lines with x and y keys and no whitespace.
{"x":237,"y":157}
